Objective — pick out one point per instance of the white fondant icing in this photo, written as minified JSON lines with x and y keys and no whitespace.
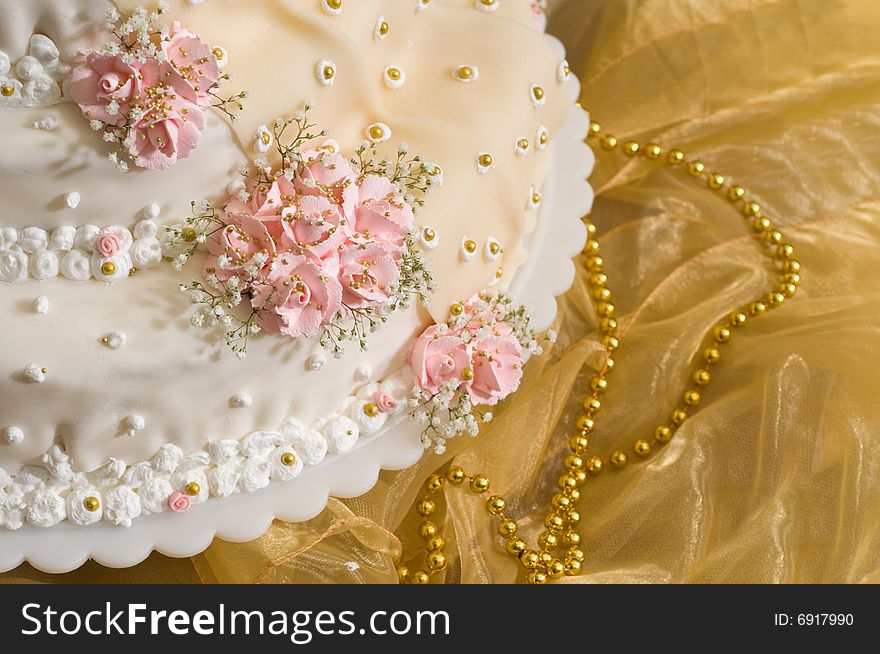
{"x":13,"y":435}
{"x":41,"y":305}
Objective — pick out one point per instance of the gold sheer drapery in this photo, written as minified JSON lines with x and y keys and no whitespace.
{"x":777,"y":477}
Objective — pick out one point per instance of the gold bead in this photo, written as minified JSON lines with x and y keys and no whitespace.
{"x":595,"y":129}
{"x":193,"y":489}
{"x":434,"y":483}
{"x":567,"y":481}
{"x":761,"y":225}
{"x":653,"y":151}
{"x":403,"y":574}
{"x":591,"y":247}
{"x":736,"y":193}
{"x":573,"y":463}
{"x":108,"y":268}
{"x":548,"y":540}
{"x":715,"y":181}
{"x":515,"y":546}
{"x":608,"y":325}
{"x":578,"y":444}
{"x":560,"y":501}
{"x":611,"y":343}
{"x":427,"y":530}
{"x":456,"y":309}
{"x":592,"y":405}
{"x":455,"y":475}
{"x":631,"y":148}
{"x":495,"y":505}
{"x":426,"y":508}
{"x":722,"y":334}
{"x":436,"y":544}
{"x":467,"y":374}
{"x":691,"y":398}
{"x":573,"y":518}
{"x":554,"y":522}
{"x":791,"y":278}
{"x":678,"y":417}
{"x":585,"y":423}
{"x":91,"y":504}
{"x":642,"y":447}
{"x":576,"y":554}
{"x":479,"y":484}
{"x":529,"y":559}
{"x":789,"y":290}
{"x":288,"y":459}
{"x":371,"y":409}
{"x":605,"y":309}
{"x":507,"y":528}
{"x":675,"y":157}
{"x":573,"y":494}
{"x":594,"y":263}
{"x":556,"y":569}
{"x":774,"y":237}
{"x":537,"y":577}
{"x":602,"y":294}
{"x":702,"y":377}
{"x":580,"y":477}
{"x":594,"y":466}
{"x":738,"y":319}
{"x":752,"y":209}
{"x":486,"y":160}
{"x":711,"y":355}
{"x":420,"y":578}
{"x":436,"y":561}
{"x":598,"y":383}
{"x":696,"y":168}
{"x":598,"y":279}
{"x":792,"y":266}
{"x":571,"y":537}
{"x":785,"y":250}
{"x":608,"y":142}
{"x":775,"y":299}
{"x":663,"y":434}
{"x":618,"y":459}
{"x":757,"y":308}
{"x":572,"y":568}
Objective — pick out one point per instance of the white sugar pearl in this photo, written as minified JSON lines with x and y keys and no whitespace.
{"x":72,"y":200}
{"x":241,"y":401}
{"x":316,"y":362}
{"x":152,"y":211}
{"x":13,"y":435}
{"x":363,"y":372}
{"x":135,"y":423}
{"x":115,"y":341}
{"x":35,"y":373}
{"x":41,"y":305}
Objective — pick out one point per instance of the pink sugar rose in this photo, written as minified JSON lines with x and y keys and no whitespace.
{"x":385,"y":402}
{"x":332,"y":176}
{"x":438,"y":357}
{"x":382,"y":214}
{"x":314,"y":226}
{"x":300,"y":297}
{"x":179,"y":502}
{"x":538,"y":16}
{"x":243,"y":238}
{"x":497,"y":369}
{"x":160,"y":139}
{"x":194,"y":63}
{"x":367,"y":273}
{"x":106,"y":78}
{"x":108,"y":244}
{"x":267,"y":202}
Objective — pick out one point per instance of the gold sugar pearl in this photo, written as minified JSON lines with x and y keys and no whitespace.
{"x":193,"y":489}
{"x":465,"y":73}
{"x":189,"y":234}
{"x":544,"y":138}
{"x":288,"y":459}
{"x":456,"y":309}
{"x":536,"y":198}
{"x":429,"y":234}
{"x":494,"y":248}
{"x":91,"y":504}
{"x":538,"y":93}
{"x":486,"y":160}
{"x":523,"y":144}
{"x":499,"y":273}
{"x":467,"y":374}
{"x":7,"y":90}
{"x":108,"y":268}
{"x":470,"y":246}
{"x":329,"y":72}
{"x":376,"y":132}
{"x":371,"y":409}
{"x":394,"y":73}
{"x":384,"y":28}
{"x":334,"y":4}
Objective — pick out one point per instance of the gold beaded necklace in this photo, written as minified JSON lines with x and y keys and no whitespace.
{"x":562,"y":518}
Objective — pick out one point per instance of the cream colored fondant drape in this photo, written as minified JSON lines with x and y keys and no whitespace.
{"x":777,"y":478}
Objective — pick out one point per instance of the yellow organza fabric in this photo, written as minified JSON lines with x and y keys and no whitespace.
{"x":777,"y":476}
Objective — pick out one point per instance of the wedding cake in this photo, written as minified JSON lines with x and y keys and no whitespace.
{"x":238,"y":237}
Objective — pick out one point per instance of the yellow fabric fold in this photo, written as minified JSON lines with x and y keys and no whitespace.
{"x":777,"y":477}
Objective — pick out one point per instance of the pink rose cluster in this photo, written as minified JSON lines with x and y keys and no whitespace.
{"x":154,"y":105}
{"x":481,"y":353}
{"x":313,"y":244}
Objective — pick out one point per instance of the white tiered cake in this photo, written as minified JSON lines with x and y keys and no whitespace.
{"x":112,"y":404}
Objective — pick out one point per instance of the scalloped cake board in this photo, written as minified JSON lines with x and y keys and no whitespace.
{"x":549,"y":273}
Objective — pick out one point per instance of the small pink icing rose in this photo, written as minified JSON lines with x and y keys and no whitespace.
{"x":538,"y":16}
{"x":194,"y":63}
{"x":104,"y":79}
{"x":108,"y":244}
{"x":166,"y":134}
{"x":367,"y":273}
{"x":385,"y":402}
{"x":497,"y":369}
{"x":382,"y":213}
{"x":266,"y":202}
{"x":247,"y":246}
{"x":332,"y":176}
{"x":178,"y":502}
{"x":300,"y":297}
{"x":313,"y":225}
{"x":438,"y":357}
